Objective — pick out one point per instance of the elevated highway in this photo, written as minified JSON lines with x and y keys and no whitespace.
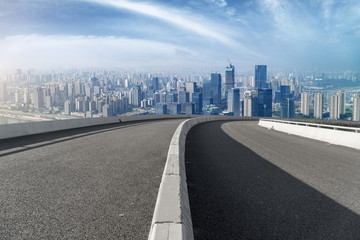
{"x":244,"y":182}
{"x":97,"y":182}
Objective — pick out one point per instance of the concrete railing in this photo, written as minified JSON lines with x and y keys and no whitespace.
{"x":338,"y":135}
{"x":29,"y":128}
{"x":172,"y":217}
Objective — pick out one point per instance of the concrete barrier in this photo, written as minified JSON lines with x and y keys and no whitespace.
{"x":29,"y":128}
{"x":172,"y":217}
{"x":338,"y":135}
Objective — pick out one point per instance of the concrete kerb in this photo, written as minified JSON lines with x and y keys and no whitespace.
{"x":172,"y":216}
{"x":31,"y":128}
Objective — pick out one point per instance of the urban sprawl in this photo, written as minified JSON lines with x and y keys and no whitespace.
{"x":104,"y":93}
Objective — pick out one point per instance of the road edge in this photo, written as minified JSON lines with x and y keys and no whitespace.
{"x":172,"y":216}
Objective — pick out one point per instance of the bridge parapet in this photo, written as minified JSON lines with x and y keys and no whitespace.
{"x":334,"y":134}
{"x":30,"y":128}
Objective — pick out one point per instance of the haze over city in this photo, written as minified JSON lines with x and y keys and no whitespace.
{"x":179,"y":35}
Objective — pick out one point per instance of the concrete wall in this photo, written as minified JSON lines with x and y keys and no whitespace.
{"x":172,"y":217}
{"x":344,"y":136}
{"x":29,"y":128}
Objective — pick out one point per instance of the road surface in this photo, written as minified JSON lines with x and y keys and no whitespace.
{"x":248,"y":182}
{"x":90,"y":183}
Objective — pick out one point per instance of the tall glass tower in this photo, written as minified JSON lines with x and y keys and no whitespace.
{"x":234,"y":101}
{"x":229,"y":77}
{"x":260,"y":76}
{"x":216,"y":87}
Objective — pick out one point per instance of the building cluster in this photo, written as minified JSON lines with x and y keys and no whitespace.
{"x":337,"y":105}
{"x":103,"y":94}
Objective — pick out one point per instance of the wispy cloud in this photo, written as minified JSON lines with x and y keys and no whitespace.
{"x":219,"y":3}
{"x":52,"y":51}
{"x":170,"y":15}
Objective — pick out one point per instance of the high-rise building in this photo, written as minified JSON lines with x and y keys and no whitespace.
{"x":356,"y":107}
{"x":174,"y":108}
{"x":38,"y":98}
{"x":334,"y":107}
{"x":3,"y":91}
{"x":341,"y":101}
{"x":189,"y":108}
{"x":67,"y":108}
{"x":212,"y":90}
{"x":183,"y":98}
{"x":265,"y":102}
{"x":250,"y":104}
{"x":318,"y":105}
{"x":216,"y":87}
{"x":26,"y":96}
{"x":287,"y":108}
{"x":234,"y":101}
{"x":197,"y":100}
{"x":207,"y":94}
{"x":160,"y":108}
{"x":48,"y":102}
{"x":136,"y":96}
{"x":305,"y":103}
{"x":229,"y":77}
{"x":107,"y":111}
{"x":260,"y":76}
{"x":155,"y":83}
{"x":191,"y":88}
{"x":285,"y":92}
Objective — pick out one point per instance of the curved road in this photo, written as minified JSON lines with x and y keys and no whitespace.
{"x":90,"y":183}
{"x":248,"y":182}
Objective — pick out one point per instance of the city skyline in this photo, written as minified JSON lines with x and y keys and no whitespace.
{"x":179,"y":35}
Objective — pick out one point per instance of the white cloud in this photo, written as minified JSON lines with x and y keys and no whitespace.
{"x":55,"y":51}
{"x":173,"y":16}
{"x":219,"y":3}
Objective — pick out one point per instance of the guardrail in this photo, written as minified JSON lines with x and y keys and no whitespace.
{"x":30,"y":128}
{"x":172,"y":217}
{"x":334,"y":134}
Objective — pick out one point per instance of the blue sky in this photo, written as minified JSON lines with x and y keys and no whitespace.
{"x":180,"y":35}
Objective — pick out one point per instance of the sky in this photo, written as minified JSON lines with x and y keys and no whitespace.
{"x":180,"y":35}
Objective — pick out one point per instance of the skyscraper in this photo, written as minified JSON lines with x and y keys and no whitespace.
{"x":305,"y":100}
{"x":341,"y":101}
{"x":334,"y":107}
{"x":216,"y":87}
{"x":318,"y":105}
{"x":212,"y":90}
{"x":250,"y":104}
{"x":174,"y":108}
{"x":229,"y":77}
{"x":136,"y":96}
{"x":67,"y":108}
{"x":287,"y":108}
{"x":3,"y":91}
{"x":155,"y":83}
{"x":160,"y":108}
{"x":265,"y":102}
{"x":285,"y":92}
{"x":38,"y":98}
{"x":356,"y":107}
{"x":234,"y":101}
{"x":107,"y":111}
{"x":260,"y":76}
{"x":191,"y":88}
{"x":197,"y":100}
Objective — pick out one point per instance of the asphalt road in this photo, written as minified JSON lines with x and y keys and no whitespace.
{"x":89,"y":183}
{"x":247,"y":182}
